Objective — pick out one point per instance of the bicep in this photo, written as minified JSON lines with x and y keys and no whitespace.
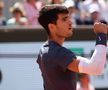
{"x":73,"y":66}
{"x":82,"y":65}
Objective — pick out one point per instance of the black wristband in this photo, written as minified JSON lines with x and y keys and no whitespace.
{"x":101,"y":39}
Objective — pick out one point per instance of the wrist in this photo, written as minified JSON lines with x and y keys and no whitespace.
{"x":101,"y":38}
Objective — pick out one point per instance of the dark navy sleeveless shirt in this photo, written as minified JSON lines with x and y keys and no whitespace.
{"x":53,"y":60}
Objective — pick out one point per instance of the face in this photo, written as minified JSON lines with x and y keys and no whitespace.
{"x":95,"y":16}
{"x":17,"y":15}
{"x":63,"y":26}
{"x":56,"y":1}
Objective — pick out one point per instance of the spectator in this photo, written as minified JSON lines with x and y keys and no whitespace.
{"x":18,"y":15}
{"x":77,"y":2}
{"x":72,"y":10}
{"x":95,"y":14}
{"x":32,"y":8}
{"x":2,"y":17}
{"x":85,"y":15}
{"x":103,"y":9}
{"x":84,"y":82}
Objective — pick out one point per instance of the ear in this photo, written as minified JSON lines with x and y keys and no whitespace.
{"x":51,"y":27}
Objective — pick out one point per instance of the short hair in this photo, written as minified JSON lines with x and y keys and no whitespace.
{"x":49,"y":14}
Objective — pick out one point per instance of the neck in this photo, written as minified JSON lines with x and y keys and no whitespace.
{"x":60,"y":41}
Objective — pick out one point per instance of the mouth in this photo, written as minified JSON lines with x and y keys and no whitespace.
{"x":70,"y":29}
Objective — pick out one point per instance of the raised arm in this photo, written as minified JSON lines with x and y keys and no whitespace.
{"x":95,"y":65}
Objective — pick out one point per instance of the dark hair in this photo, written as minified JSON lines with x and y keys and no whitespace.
{"x":49,"y":14}
{"x":16,"y":10}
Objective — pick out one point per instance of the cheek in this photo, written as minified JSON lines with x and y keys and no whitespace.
{"x":60,"y":32}
{"x":63,"y":28}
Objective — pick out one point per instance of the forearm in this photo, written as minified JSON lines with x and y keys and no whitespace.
{"x":96,"y":64}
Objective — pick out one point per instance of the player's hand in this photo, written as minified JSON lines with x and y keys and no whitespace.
{"x":100,"y":28}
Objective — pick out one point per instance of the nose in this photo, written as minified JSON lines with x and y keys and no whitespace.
{"x":70,"y":22}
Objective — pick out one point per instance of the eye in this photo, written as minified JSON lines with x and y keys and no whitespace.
{"x":65,"y":19}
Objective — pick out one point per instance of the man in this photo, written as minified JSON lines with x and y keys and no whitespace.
{"x":59,"y":65}
{"x":18,"y":15}
{"x":2,"y":17}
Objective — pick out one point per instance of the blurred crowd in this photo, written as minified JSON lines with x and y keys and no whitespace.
{"x":82,"y":12}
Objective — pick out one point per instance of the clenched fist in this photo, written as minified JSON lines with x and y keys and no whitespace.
{"x":100,"y":28}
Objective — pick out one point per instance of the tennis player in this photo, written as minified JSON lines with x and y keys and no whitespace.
{"x":59,"y":65}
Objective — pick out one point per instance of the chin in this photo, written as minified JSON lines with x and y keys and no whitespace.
{"x":69,"y":35}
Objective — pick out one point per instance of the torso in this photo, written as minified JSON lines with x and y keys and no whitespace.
{"x":53,"y":60}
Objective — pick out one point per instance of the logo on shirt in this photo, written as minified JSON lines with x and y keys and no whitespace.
{"x":99,"y":39}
